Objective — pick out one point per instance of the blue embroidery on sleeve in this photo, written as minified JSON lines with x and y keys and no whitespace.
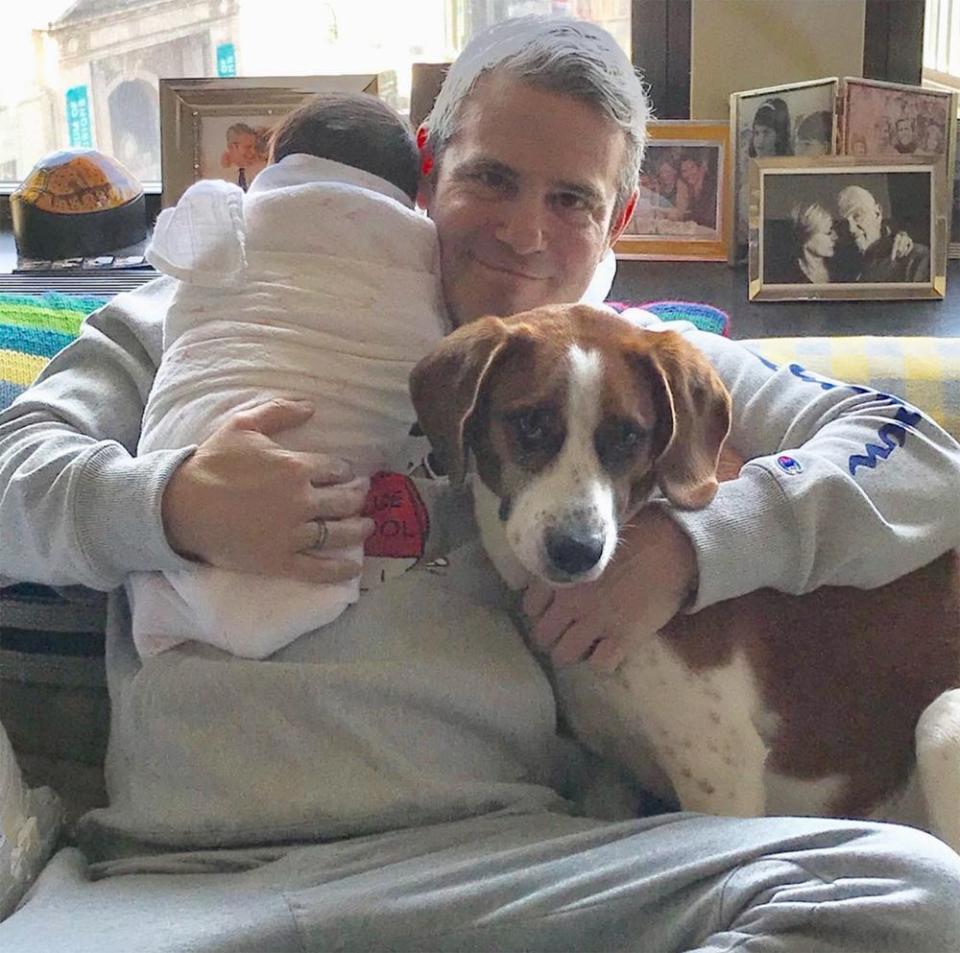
{"x":891,"y":435}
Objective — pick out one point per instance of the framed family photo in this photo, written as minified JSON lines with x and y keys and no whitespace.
{"x":220,"y":128}
{"x":847,"y":228}
{"x":796,"y":119}
{"x":890,"y":119}
{"x":684,"y":209}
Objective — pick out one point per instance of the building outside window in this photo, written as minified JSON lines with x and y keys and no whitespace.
{"x":87,"y":72}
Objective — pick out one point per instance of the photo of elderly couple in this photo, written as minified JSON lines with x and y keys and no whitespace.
{"x":830,"y":228}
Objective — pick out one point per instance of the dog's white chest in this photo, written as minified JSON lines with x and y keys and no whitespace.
{"x":674,"y":727}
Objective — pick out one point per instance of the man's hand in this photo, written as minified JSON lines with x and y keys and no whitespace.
{"x":902,"y":246}
{"x":242,"y":502}
{"x":652,"y":575}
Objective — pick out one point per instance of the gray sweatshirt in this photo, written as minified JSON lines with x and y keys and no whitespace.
{"x":422,"y":703}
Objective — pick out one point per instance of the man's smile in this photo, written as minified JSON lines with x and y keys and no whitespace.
{"x":509,"y":269}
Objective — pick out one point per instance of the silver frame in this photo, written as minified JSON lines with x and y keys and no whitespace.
{"x":185,"y":103}
{"x":849,"y":291}
{"x":737,"y":254}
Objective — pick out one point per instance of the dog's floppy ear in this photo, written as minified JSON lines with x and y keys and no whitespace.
{"x":697,"y":402}
{"x":445,"y":386}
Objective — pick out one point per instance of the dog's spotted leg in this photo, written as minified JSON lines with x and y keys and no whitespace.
{"x":701,"y":726}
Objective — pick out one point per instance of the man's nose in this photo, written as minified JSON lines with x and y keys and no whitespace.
{"x":523,"y":226}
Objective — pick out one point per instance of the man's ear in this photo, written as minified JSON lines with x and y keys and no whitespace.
{"x":425,"y":189}
{"x":623,"y":219}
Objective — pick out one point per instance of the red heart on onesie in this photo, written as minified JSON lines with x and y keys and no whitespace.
{"x":402,"y":521}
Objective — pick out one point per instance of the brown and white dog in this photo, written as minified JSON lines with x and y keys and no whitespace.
{"x":765,"y":704}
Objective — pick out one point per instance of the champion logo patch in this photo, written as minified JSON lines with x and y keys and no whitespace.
{"x":788,"y":464}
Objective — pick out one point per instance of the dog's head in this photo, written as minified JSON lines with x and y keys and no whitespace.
{"x":573,"y":416}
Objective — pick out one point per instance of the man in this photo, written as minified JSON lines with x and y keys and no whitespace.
{"x":883,"y":256}
{"x":431,"y":730}
{"x":703,"y":192}
{"x":905,"y":135}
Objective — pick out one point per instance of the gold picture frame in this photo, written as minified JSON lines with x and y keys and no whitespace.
{"x":208,"y":126}
{"x":684,"y":209}
{"x":811,"y":240}
{"x":802,"y":103}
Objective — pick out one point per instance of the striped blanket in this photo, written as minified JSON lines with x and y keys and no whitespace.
{"x":32,"y":329}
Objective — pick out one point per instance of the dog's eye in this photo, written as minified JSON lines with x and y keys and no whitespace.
{"x":533,"y":427}
{"x":618,"y":441}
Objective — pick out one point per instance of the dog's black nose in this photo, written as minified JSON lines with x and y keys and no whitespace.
{"x":576,"y":551}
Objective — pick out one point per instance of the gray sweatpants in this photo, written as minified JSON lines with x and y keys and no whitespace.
{"x":517,"y":882}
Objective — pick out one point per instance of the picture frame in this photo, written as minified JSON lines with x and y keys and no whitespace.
{"x":214,"y":128}
{"x":880,"y":120}
{"x":777,"y":120}
{"x":684,"y":209}
{"x":954,"y":247}
{"x":847,"y":228}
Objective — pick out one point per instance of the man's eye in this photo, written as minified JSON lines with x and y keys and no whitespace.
{"x":571,"y":201}
{"x":490,"y":179}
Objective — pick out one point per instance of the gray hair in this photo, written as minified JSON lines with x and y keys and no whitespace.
{"x":558,"y":54}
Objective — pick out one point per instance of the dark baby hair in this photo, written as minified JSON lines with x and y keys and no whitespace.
{"x":356,"y":129}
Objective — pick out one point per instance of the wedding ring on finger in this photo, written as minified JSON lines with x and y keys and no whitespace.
{"x":322,"y":532}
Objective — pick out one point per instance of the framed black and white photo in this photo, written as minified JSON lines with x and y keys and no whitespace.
{"x":847,"y":228}
{"x":796,"y":119}
{"x":684,"y":208}
{"x":220,"y":128}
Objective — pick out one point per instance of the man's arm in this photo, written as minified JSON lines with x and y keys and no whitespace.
{"x":77,"y":506}
{"x":844,"y":486}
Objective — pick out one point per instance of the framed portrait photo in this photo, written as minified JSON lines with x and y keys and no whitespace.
{"x":847,"y":228}
{"x":954,"y":251}
{"x":684,"y":208}
{"x":797,"y":119}
{"x":220,"y":128}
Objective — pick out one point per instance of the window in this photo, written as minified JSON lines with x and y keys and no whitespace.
{"x":941,"y":43}
{"x":86,"y":72}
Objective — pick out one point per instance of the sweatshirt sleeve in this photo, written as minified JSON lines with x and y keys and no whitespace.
{"x":77,"y":506}
{"x":843,"y":486}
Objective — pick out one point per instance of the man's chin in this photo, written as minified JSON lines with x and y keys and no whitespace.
{"x":464,"y":308}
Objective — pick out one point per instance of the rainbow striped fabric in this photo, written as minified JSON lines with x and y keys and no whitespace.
{"x":32,"y":329}
{"x":924,"y":371}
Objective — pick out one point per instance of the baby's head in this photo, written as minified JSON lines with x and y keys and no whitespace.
{"x":356,"y":129}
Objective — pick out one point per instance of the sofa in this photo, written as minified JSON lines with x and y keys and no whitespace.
{"x":53,"y":699}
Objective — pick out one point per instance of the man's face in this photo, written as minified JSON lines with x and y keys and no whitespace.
{"x":864,"y":219}
{"x":904,"y":131}
{"x":243,"y":149}
{"x":523,"y":199}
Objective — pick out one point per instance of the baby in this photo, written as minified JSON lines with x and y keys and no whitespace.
{"x":320,"y":283}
